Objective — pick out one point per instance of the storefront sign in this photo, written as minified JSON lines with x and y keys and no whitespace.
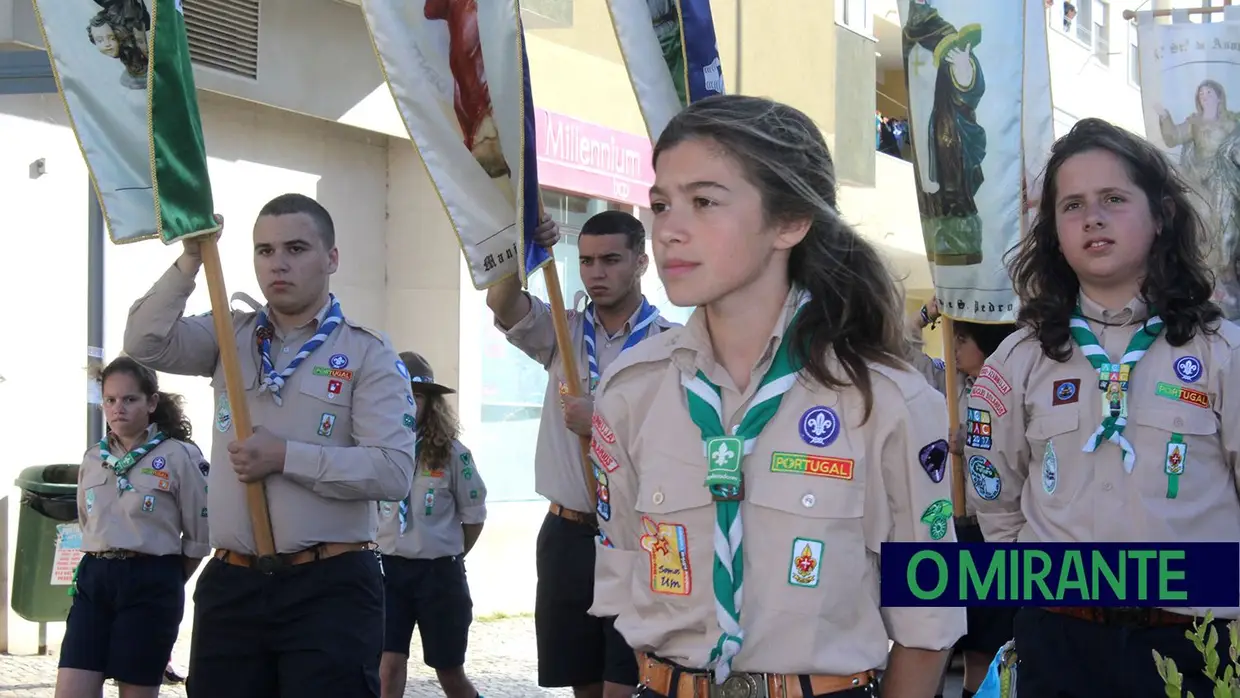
{"x":591,"y":160}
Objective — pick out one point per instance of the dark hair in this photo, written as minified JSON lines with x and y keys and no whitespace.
{"x":855,"y":311}
{"x":986,"y":336}
{"x":169,"y":415}
{"x":1177,"y":283}
{"x":617,"y":223}
{"x":128,"y":52}
{"x":290,"y":204}
{"x":437,"y":429}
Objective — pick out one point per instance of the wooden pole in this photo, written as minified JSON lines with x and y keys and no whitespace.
{"x":952,"y":384}
{"x":568,"y":358}
{"x":221,"y":312}
{"x":1129,"y":15}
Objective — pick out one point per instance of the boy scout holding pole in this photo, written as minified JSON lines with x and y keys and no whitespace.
{"x":574,"y":648}
{"x":334,"y":432}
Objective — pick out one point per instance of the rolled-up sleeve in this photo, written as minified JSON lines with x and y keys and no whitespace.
{"x":620,"y":529}
{"x":195,"y":533}
{"x":469,"y":491}
{"x":916,"y":486}
{"x":380,"y":466}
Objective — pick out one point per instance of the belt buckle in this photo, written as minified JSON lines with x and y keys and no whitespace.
{"x":268,"y":564}
{"x":739,"y":685}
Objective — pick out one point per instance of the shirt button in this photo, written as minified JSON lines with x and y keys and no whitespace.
{"x":1178,"y":422}
{"x":285,"y":351}
{"x":1106,"y":486}
{"x":658,"y":497}
{"x":807,"y":501}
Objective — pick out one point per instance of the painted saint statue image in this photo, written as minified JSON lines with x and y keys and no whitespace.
{"x":472,"y":102}
{"x":956,"y":143}
{"x":119,"y":31}
{"x":1209,"y":142}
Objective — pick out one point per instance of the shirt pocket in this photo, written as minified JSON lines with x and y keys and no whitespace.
{"x":432,"y":498}
{"x":675,"y":535}
{"x":1054,"y":447}
{"x":93,"y":481}
{"x":805,"y":536}
{"x":332,"y":398}
{"x":152,"y":495}
{"x":1200,"y":458}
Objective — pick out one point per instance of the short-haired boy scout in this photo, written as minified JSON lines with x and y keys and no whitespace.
{"x":574,"y":648}
{"x":333,"y":433}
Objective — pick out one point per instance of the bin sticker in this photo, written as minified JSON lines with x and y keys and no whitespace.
{"x":68,"y":553}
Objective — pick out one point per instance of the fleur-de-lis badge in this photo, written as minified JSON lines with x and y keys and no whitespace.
{"x":722,"y":454}
{"x":820,"y":426}
{"x":723,"y":458}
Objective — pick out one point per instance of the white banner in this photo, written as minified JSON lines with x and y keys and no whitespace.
{"x":977,"y":107}
{"x":1188,"y":69}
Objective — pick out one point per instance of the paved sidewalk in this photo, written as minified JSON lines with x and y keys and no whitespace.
{"x":502,"y":662}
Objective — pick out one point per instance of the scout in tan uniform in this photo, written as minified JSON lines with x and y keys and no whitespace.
{"x":1113,"y":414}
{"x":424,"y":538}
{"x":574,"y":648}
{"x":333,"y":434}
{"x":142,"y":506}
{"x":784,"y":402}
{"x":989,"y":626}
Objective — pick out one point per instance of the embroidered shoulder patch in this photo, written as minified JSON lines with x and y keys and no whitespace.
{"x":1065,"y":392}
{"x":668,"y":547}
{"x":985,"y":478}
{"x":936,"y":517}
{"x":933,"y":459}
{"x":602,"y":494}
{"x":602,"y":429}
{"x":983,"y":393}
{"x":604,"y":459}
{"x":977,"y":429}
{"x":992,"y":374}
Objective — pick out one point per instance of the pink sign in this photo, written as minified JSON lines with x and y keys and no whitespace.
{"x":588,"y":159}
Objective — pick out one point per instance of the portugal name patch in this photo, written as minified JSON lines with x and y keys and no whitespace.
{"x":818,"y":466}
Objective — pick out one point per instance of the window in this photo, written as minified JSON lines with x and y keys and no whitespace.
{"x":856,"y":15}
{"x":1102,"y":34}
{"x":1088,"y":22}
{"x":501,"y":422}
{"x":1134,"y":59}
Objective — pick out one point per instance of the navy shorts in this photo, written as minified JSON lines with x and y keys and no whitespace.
{"x":125,"y":617}
{"x":574,"y":647}
{"x":434,"y":596}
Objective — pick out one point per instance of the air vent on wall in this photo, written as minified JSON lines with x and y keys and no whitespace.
{"x":223,"y":34}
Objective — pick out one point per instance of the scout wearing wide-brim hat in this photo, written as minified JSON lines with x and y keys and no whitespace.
{"x":421,"y":377}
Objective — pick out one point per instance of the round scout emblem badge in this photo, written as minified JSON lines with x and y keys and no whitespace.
{"x":820,"y":426}
{"x":1188,"y":369}
{"x":159,"y":463}
{"x":985,"y":478}
{"x":223,"y":414}
{"x":338,"y":361}
{"x":1050,"y":469}
{"x":1066,"y":391}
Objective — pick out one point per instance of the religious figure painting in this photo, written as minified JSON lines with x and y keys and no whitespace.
{"x":119,"y":30}
{"x":949,"y":163}
{"x":472,"y":100}
{"x":1208,"y":139}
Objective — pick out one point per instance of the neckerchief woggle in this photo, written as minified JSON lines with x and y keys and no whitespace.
{"x":646,"y":315}
{"x":1112,"y":427}
{"x":122,"y":466}
{"x":273,"y":381}
{"x":724,"y":456}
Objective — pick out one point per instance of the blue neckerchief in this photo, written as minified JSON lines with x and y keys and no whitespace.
{"x":273,"y":381}
{"x":646,"y":315}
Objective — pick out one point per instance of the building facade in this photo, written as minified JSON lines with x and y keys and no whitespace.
{"x":293,"y":100}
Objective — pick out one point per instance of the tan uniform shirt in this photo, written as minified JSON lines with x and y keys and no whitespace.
{"x":813,"y":516}
{"x":1043,"y":413}
{"x":164,"y":514}
{"x":441,"y":501}
{"x":349,"y":427}
{"x":557,"y":459}
{"x":935,"y":373}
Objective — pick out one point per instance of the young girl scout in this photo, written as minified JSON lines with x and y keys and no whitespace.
{"x":1113,"y":412}
{"x":424,"y":539}
{"x":755,"y":459}
{"x":989,"y":626}
{"x":142,"y":506}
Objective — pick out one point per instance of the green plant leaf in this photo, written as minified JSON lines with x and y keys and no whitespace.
{"x":1211,"y":654}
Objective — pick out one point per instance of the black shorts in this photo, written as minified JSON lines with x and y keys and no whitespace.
{"x":125,"y":617}
{"x":304,"y":631}
{"x":989,"y":627}
{"x":434,"y":596}
{"x":574,"y":647}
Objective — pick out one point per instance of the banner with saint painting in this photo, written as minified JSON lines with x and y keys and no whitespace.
{"x":981,"y":125}
{"x":458,"y":72}
{"x":670,"y":53}
{"x":1188,"y":72}
{"x":123,"y":70}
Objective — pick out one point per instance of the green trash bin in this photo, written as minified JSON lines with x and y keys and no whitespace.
{"x":49,"y":543}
